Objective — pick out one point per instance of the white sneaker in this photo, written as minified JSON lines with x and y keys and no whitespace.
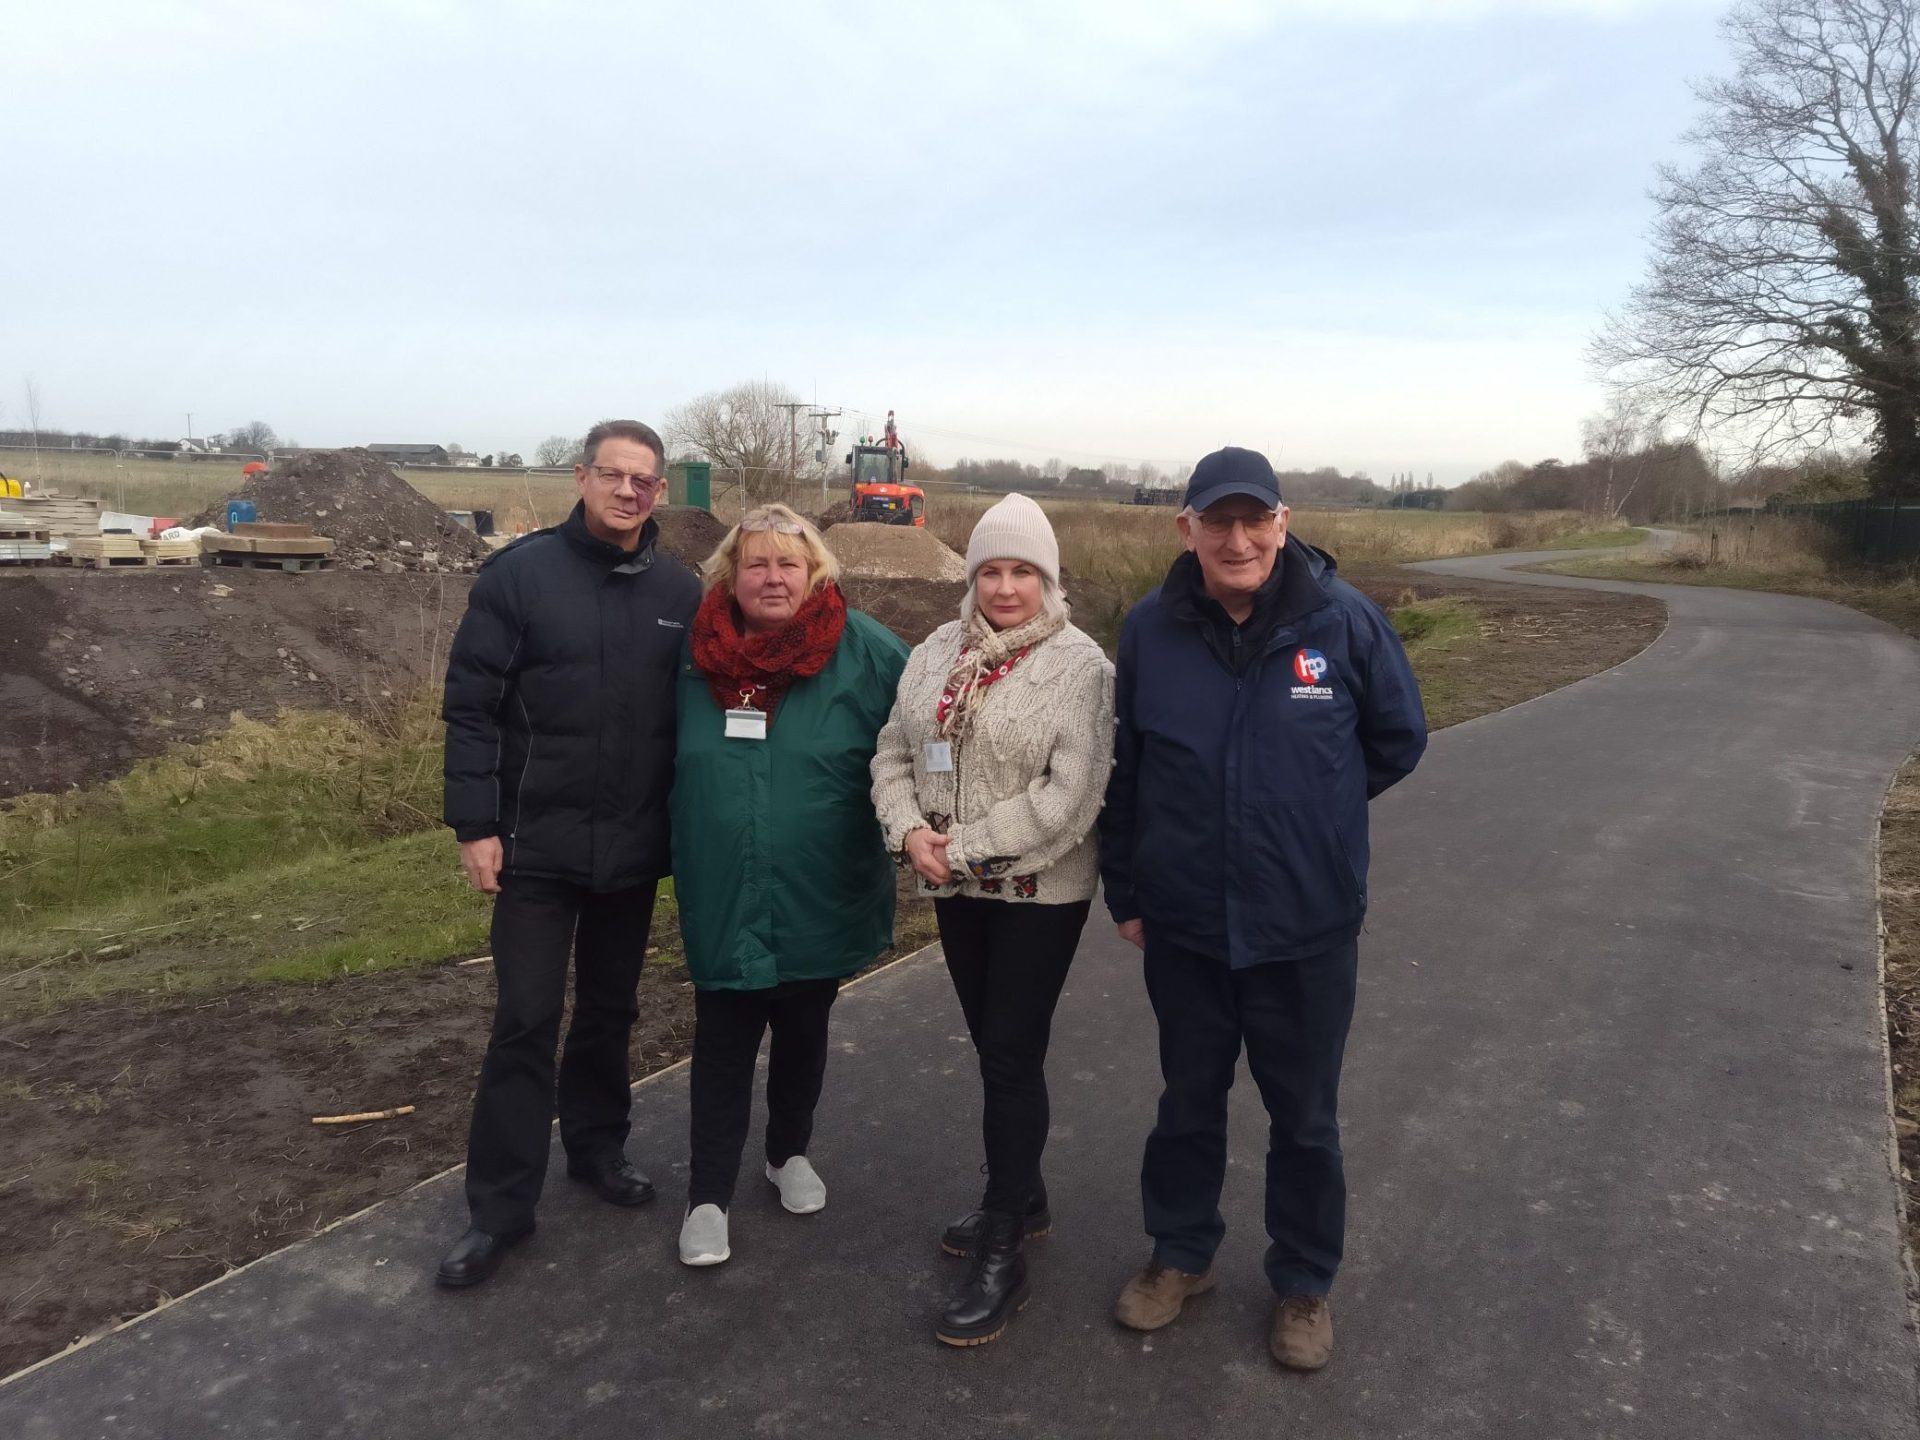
{"x":802,"y":1191}
{"x":703,"y":1236}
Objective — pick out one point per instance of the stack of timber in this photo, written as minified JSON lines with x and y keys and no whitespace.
{"x":104,"y":552}
{"x":264,"y":545}
{"x":23,"y":542}
{"x":171,"y":552}
{"x":63,"y":515}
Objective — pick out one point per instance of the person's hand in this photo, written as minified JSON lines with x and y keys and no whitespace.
{"x":927,"y":851}
{"x":481,"y":860}
{"x":1134,"y":932}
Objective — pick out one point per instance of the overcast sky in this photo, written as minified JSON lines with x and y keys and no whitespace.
{"x":1367,"y":233}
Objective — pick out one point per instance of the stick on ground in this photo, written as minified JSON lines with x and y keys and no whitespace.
{"x":363,"y":1116}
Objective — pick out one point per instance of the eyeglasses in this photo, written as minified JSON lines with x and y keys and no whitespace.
{"x":1255,"y":525}
{"x":642,"y":484}
{"x":768,"y":522}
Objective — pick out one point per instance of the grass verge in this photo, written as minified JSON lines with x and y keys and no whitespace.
{"x":1609,"y":539}
{"x":1891,"y":596}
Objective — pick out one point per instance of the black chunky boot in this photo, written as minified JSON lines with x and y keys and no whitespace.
{"x":995,"y":1290}
{"x":963,"y":1235}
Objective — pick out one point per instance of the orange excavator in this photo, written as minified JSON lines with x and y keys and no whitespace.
{"x":880,"y":491}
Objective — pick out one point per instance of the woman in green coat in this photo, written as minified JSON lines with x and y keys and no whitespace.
{"x":780,"y":870}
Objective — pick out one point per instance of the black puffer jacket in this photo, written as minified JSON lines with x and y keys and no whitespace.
{"x":560,"y":705}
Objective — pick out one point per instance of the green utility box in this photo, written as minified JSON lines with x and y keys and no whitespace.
{"x":690,"y":482}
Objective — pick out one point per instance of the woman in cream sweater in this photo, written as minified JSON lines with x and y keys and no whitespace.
{"x":987,"y":780}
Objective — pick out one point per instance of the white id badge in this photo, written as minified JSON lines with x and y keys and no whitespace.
{"x":939,"y":757}
{"x":748,"y":724}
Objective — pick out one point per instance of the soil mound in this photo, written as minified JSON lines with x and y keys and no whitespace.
{"x":688,"y":533}
{"x":894,"y":552}
{"x":912,"y":609}
{"x":376,"y":519}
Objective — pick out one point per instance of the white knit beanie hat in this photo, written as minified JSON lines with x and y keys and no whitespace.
{"x":1015,"y":529}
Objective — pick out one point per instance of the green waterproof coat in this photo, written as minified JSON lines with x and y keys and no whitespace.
{"x":779,"y":867}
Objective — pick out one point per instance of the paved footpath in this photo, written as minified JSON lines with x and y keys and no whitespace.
{"x":1616,"y":1118}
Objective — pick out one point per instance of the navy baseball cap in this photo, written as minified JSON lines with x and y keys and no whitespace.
{"x":1232,"y":471}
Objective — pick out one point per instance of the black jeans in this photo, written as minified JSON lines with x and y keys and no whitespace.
{"x":1293,"y":1017}
{"x":1008,"y":962}
{"x":536,"y":925}
{"x":727,"y":1026}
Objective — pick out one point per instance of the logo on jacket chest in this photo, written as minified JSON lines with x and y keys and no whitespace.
{"x":1310,"y":668}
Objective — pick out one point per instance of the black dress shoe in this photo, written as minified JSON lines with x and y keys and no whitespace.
{"x":995,"y":1290}
{"x":617,"y":1182}
{"x":475,"y":1256}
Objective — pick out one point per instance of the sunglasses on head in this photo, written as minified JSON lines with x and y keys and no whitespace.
{"x":784,"y":527}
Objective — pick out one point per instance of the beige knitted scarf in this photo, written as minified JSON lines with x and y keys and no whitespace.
{"x":985,"y":656}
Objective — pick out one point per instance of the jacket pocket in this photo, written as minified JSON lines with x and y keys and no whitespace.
{"x":1302,"y":868}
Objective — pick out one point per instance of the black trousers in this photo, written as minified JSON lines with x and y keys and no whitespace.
{"x":1293,"y":1017}
{"x":1008,"y":962}
{"x":537,"y":924}
{"x":728,"y":1025}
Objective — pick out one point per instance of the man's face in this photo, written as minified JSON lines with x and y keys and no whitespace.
{"x":619,"y":489}
{"x":1235,"y":539}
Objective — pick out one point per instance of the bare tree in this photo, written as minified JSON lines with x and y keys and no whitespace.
{"x":743,"y":431}
{"x":254,"y":435}
{"x":1781,"y":298}
{"x":1618,"y":443}
{"x":557,"y":450}
{"x":33,"y":411}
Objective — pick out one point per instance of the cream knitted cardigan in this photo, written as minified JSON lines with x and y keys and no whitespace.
{"x":1028,"y":780}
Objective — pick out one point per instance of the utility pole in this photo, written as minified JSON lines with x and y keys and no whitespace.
{"x":827,"y":437}
{"x":793,"y":409}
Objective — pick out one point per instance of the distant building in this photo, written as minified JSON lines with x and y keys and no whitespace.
{"x":411,"y":454}
{"x":198,"y":447}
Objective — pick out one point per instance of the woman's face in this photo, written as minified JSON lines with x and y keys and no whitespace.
{"x":1008,"y":592}
{"x":768,"y":584}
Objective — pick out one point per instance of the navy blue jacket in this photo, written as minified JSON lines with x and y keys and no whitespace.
{"x":1236,"y":815}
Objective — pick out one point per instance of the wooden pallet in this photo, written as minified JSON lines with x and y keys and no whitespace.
{"x":293,"y":564}
{"x":108,"y":562}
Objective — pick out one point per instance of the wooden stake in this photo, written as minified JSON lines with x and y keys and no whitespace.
{"x":364,"y":1116}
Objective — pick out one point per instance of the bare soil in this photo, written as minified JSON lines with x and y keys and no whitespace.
{"x":151,"y":1146}
{"x":1900,"y":914}
{"x":894,"y":552}
{"x":99,"y":668}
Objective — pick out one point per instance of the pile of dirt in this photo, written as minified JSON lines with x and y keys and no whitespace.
{"x":894,"y":552}
{"x":688,"y":533}
{"x":377,"y":520}
{"x":912,"y":609}
{"x":94,"y":676}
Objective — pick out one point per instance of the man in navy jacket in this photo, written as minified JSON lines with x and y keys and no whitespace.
{"x":1261,"y":703}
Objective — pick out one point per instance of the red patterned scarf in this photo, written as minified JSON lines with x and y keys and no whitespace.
{"x":761,"y":668}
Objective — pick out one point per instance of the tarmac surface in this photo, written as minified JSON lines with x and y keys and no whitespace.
{"x":1616,"y":1119}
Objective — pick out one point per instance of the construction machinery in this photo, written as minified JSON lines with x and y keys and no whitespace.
{"x":880,"y":492}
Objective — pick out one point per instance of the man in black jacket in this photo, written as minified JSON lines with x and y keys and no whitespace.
{"x":560,"y":725}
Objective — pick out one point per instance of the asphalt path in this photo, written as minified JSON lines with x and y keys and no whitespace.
{"x":1616,"y":1117}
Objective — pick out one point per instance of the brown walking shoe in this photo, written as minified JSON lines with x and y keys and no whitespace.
{"x":1302,"y":1337}
{"x":1153,"y":1297}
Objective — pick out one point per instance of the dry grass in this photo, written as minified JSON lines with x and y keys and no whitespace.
{"x":1129,"y":547}
{"x":1766,"y":552}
